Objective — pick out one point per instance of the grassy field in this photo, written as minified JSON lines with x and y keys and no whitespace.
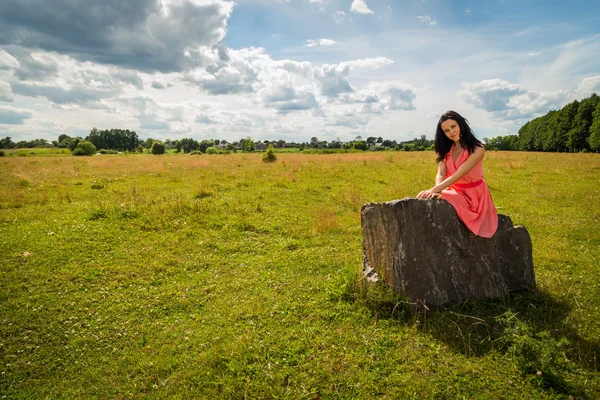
{"x":177,"y":276}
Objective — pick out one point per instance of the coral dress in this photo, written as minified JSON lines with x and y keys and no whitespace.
{"x":471,"y":197}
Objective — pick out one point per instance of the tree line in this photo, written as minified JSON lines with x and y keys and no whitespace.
{"x":115,"y":140}
{"x":574,"y":128}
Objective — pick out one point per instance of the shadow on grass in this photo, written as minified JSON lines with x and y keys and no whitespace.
{"x":529,"y":329}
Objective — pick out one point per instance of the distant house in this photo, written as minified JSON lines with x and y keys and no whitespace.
{"x":260,"y":146}
{"x":290,"y":145}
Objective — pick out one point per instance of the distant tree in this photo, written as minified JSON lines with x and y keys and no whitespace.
{"x":84,"y":148}
{"x":158,"y":147}
{"x":247,"y":144}
{"x":578,"y":136}
{"x":7,"y":143}
{"x":594,"y":139}
{"x":205,"y":144}
{"x":73,"y":143}
{"x":371,"y":140}
{"x":379,"y":139}
{"x":335,"y":144}
{"x":280,"y":143}
{"x":361,"y":145}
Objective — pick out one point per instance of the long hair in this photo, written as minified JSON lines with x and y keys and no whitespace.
{"x":442,"y":144}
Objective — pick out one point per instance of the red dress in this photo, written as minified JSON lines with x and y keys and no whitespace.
{"x":471,"y":197}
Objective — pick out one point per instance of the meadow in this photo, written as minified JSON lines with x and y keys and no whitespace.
{"x":219,"y":276}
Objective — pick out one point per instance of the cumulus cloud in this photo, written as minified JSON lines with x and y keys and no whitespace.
{"x":339,"y":17}
{"x":286,"y":98}
{"x":334,"y":78}
{"x":319,"y":42}
{"x":14,"y":116}
{"x":150,"y":114}
{"x":205,"y":119}
{"x":427,"y":20}
{"x":360,"y":7}
{"x":395,"y":95}
{"x":490,"y":95}
{"x":587,"y":86}
{"x":347,"y":118}
{"x":66,"y":81}
{"x":511,"y":100}
{"x":5,"y":91}
{"x":238,"y":74}
{"x":385,"y":96}
{"x":146,"y":35}
{"x":7,"y":61}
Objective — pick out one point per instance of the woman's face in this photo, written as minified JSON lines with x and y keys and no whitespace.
{"x":451,"y":130}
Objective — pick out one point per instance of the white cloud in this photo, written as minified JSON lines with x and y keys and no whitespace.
{"x":14,"y":116}
{"x":395,"y":95}
{"x":65,"y":81}
{"x":334,"y":78}
{"x":467,"y":11}
{"x":167,"y":35}
{"x":360,"y":7}
{"x":588,"y":86}
{"x":319,"y":42}
{"x":427,"y":20}
{"x":510,"y":100}
{"x":5,"y":92}
{"x":339,"y":17}
{"x":7,"y":61}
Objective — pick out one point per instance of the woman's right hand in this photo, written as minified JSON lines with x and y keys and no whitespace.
{"x":428,"y":194}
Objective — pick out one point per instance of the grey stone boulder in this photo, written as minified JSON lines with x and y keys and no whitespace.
{"x":421,"y":249}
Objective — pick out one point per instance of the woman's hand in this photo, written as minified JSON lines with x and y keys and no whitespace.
{"x":429,"y":194}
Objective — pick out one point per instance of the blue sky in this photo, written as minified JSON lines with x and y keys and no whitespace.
{"x":291,"y":69}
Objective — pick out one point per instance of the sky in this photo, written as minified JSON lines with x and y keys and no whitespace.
{"x":290,"y":69}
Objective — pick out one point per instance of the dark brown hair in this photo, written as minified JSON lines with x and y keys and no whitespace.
{"x":442,"y":144}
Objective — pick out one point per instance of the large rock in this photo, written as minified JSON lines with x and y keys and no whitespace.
{"x":421,"y":249}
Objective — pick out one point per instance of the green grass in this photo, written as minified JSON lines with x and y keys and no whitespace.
{"x":224,"y":277}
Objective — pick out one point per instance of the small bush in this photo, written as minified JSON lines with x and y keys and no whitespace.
{"x":84,"y":148}
{"x":2,"y":153}
{"x":212,"y":150}
{"x":158,"y":148}
{"x":195,"y":153}
{"x":105,"y":151}
{"x":269,"y":155}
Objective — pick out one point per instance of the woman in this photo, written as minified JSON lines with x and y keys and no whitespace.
{"x":459,"y":178}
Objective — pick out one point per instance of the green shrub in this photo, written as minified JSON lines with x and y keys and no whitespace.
{"x":158,"y":148}
{"x":269,"y":155}
{"x":195,"y":153}
{"x":2,"y":153}
{"x":105,"y":151}
{"x":84,"y":148}
{"x":212,"y":150}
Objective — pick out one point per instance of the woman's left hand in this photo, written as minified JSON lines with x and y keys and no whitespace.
{"x":428,"y":194}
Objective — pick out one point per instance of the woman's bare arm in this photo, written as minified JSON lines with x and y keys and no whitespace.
{"x":474,"y":158}
{"x":441,"y":182}
{"x":441,"y":174}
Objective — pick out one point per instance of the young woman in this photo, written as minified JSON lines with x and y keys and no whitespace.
{"x":459,"y":178}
